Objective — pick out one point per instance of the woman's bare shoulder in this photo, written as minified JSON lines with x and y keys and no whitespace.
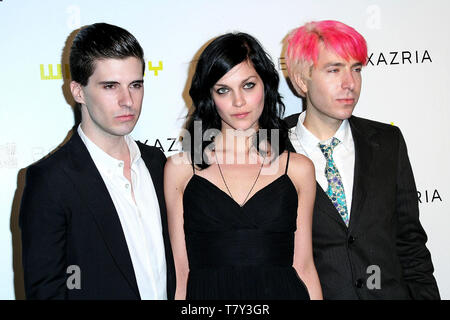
{"x":301,"y":169}
{"x":178,"y":169}
{"x":297,"y":159}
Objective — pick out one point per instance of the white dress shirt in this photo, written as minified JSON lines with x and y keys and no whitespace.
{"x":306,"y":143}
{"x":140,"y":220}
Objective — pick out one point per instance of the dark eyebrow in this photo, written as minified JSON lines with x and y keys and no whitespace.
{"x":116,"y":82}
{"x":248,"y":79}
{"x":107,"y":82}
{"x":243,"y":81}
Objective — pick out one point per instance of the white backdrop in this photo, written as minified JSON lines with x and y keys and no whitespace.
{"x":405,"y":83}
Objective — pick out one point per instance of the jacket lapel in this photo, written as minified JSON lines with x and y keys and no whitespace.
{"x":365,"y":147}
{"x":155,"y":174}
{"x":155,"y":167}
{"x":322,"y":202}
{"x":95,"y":195}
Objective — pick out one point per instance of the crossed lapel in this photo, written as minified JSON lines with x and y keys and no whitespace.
{"x":94,"y":194}
{"x":365,"y":148}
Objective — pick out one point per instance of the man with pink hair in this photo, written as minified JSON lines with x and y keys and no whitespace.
{"x":367,"y":237}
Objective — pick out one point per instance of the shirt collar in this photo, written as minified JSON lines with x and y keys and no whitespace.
{"x":104,"y":162}
{"x":309,"y":141}
{"x":344,"y":134}
{"x":305,"y":137}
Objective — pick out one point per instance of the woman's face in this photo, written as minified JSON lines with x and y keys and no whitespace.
{"x":239,"y":97}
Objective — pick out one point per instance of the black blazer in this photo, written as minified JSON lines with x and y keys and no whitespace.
{"x":68,"y":218}
{"x":384,"y":229}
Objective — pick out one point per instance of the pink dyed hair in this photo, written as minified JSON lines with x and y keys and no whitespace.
{"x":303,"y":43}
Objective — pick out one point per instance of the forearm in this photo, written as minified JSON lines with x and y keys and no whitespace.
{"x":182,"y":277}
{"x":309,"y":276}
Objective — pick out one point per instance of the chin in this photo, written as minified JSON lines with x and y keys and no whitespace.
{"x":345,"y":114}
{"x":345,"y":117}
{"x":242,"y":126}
{"x":122,"y":131}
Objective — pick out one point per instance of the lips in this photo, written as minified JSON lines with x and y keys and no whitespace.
{"x":125,"y":117}
{"x":346,"y":100}
{"x":240,"y":115}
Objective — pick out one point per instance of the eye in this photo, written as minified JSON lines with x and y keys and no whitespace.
{"x":357,"y":69}
{"x":109,"y":86}
{"x":222,"y":90}
{"x":333,"y":70}
{"x":137,"y":85}
{"x":249,"y":85}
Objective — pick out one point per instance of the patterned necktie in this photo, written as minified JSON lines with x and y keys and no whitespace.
{"x":335,"y":187}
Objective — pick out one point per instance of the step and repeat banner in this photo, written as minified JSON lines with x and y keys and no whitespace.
{"x":406,"y":83}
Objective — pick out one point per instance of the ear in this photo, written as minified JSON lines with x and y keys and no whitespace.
{"x":300,"y":82}
{"x":77,"y":92}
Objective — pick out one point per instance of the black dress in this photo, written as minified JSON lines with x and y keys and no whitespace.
{"x":243,"y":252}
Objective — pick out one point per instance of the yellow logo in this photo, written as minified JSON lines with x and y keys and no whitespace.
{"x":155,"y":69}
{"x":50,"y":75}
{"x":58,"y":75}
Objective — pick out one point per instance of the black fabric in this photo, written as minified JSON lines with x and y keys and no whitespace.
{"x":67,"y":217}
{"x":384,"y":228}
{"x":241,"y":252}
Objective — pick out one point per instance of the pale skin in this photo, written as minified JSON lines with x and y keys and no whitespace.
{"x":239,"y":97}
{"x":111,"y":103}
{"x":332,"y":88}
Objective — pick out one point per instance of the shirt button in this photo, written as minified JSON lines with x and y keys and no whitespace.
{"x":351,"y":239}
{"x":120,"y":164}
{"x":127,"y":186}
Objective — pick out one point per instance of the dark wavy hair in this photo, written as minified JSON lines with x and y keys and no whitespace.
{"x":101,"y":41}
{"x":219,"y":57}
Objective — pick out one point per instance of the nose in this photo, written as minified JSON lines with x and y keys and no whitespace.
{"x":348,"y":81}
{"x":238,"y":99}
{"x":125,"y":98}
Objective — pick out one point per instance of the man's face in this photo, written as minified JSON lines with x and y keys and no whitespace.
{"x":112,"y":99}
{"x":333,"y":88}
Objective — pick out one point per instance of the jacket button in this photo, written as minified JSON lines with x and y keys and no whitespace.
{"x":359,"y":283}
{"x":351,"y":239}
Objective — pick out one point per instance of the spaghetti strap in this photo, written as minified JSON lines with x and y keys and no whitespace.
{"x":287,"y":162}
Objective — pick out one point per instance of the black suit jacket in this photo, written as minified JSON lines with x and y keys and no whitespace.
{"x":384,"y":230}
{"x":68,"y":218}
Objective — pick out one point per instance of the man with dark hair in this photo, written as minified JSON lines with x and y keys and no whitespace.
{"x":367,"y":238}
{"x":93,"y":215}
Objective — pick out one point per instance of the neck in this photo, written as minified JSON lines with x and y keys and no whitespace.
{"x":115,"y":146}
{"x":321,"y":126}
{"x":236,"y":146}
{"x":236,"y":141}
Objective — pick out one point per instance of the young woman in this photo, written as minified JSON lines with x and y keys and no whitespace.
{"x":239,"y":207}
